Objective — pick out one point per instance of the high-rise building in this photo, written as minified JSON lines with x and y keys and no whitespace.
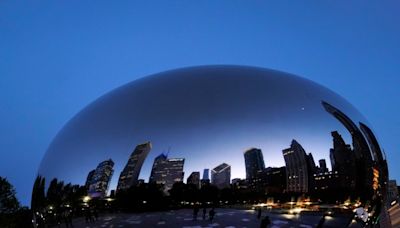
{"x":343,"y":162}
{"x":297,"y":168}
{"x":206,"y":178}
{"x":254,"y":162}
{"x":326,"y":182}
{"x":274,"y":179}
{"x":312,"y":168}
{"x":238,"y":183}
{"x":89,"y":178}
{"x":360,"y":145}
{"x":167,"y":171}
{"x":322,"y":166}
{"x":361,"y":149}
{"x":130,"y":174}
{"x":100,"y":179}
{"x":206,"y":174}
{"x":194,"y":179}
{"x":221,"y":176}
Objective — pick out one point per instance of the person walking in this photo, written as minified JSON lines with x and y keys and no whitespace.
{"x":321,"y":222}
{"x":211,"y":214}
{"x":259,"y":213}
{"x":68,"y":218}
{"x":204,"y":213}
{"x":195,"y":212}
{"x":265,"y":222}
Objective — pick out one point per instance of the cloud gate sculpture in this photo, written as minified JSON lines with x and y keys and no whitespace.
{"x":220,"y":136}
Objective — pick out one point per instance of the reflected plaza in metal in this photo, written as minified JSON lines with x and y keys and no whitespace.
{"x":216,"y":136}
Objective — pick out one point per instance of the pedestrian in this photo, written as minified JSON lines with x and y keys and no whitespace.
{"x":87,"y":219}
{"x":68,"y":218}
{"x":259,"y":213}
{"x":195,"y":212}
{"x":88,"y":215}
{"x":211,"y":214}
{"x":265,"y":222}
{"x":95,"y":214}
{"x":204,"y":213}
{"x":321,"y":222}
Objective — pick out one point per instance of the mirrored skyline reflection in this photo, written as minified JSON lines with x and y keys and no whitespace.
{"x":206,"y":115}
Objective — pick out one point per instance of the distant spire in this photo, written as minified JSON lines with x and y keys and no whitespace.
{"x":169,"y":149}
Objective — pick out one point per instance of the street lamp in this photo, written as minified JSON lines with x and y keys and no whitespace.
{"x":86,"y":199}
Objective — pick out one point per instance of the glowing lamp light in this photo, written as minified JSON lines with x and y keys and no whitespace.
{"x":86,"y":199}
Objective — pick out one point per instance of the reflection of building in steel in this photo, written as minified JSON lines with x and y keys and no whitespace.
{"x":167,"y":171}
{"x":129,"y":175}
{"x":343,"y":161}
{"x":379,"y":159}
{"x":274,"y":179}
{"x":326,"y":181}
{"x":380,"y":172}
{"x":238,"y":183}
{"x":99,"y":180}
{"x":194,"y":179}
{"x":373,"y":143}
{"x":393,"y":192}
{"x":89,"y":178}
{"x":360,"y":146}
{"x":312,"y":168}
{"x":361,"y":152}
{"x":394,"y":214}
{"x":254,"y":162}
{"x":221,"y":176}
{"x":371,"y":166}
{"x":375,"y":178}
{"x":297,"y":168}
{"x":206,"y":178}
{"x":322,"y":166}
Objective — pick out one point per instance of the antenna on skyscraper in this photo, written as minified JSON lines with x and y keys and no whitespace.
{"x":169,"y":148}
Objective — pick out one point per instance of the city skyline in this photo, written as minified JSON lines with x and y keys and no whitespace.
{"x":292,"y":120}
{"x":302,"y":174}
{"x":57,"y":57}
{"x":301,"y":169}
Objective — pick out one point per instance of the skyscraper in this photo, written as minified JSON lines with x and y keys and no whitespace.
{"x":297,"y":168}
{"x":206,"y":178}
{"x":167,"y":171}
{"x":89,"y":179}
{"x":360,"y":145}
{"x":273,"y":180}
{"x":221,"y":176}
{"x":100,"y":179}
{"x":312,"y":168}
{"x":194,"y":179}
{"x":343,"y":161}
{"x":254,"y":162}
{"x":361,"y":150}
{"x":322,"y":166}
{"x":130,"y":174}
{"x":206,"y":174}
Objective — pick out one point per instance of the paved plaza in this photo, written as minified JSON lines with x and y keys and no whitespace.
{"x":227,"y":218}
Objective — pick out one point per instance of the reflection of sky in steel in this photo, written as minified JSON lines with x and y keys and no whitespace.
{"x":207,"y":115}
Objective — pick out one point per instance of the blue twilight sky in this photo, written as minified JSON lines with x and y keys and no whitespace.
{"x":58,"y":56}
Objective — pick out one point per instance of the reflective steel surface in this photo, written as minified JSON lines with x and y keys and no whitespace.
{"x":215,"y":135}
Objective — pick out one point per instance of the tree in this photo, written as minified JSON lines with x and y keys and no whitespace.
{"x":8,"y":201}
{"x":38,"y":194}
